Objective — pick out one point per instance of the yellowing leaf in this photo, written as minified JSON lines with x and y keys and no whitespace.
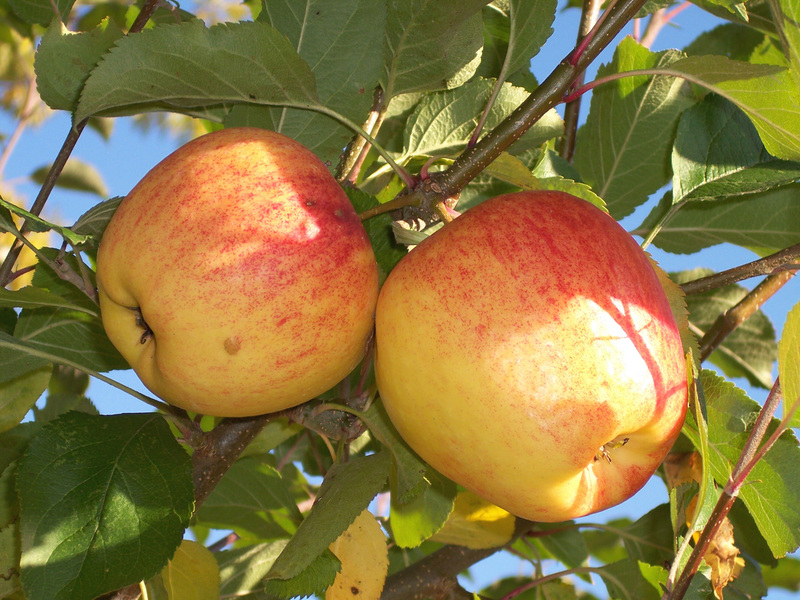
{"x":789,"y":363}
{"x":192,"y":574}
{"x":476,"y":523}
{"x":677,"y":302}
{"x":365,"y":561}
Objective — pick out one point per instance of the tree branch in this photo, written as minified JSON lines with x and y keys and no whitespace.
{"x":781,"y":260}
{"x":572,"y":110}
{"x":732,"y":318}
{"x":434,"y":576}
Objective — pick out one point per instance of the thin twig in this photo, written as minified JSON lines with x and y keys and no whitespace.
{"x":572,"y":110}
{"x":785,"y":259}
{"x":732,"y":318}
{"x":61,"y":159}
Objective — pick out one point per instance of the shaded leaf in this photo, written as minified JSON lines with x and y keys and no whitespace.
{"x":346,"y":490}
{"x":242,"y":569}
{"x":18,"y":395}
{"x":252,"y":499}
{"x":76,"y":175}
{"x":531,"y":25}
{"x":379,"y":229}
{"x":431,"y":44}
{"x":766,"y":222}
{"x":95,"y":491}
{"x":337,"y":38}
{"x":750,"y":350}
{"x":41,"y":12}
{"x":768,"y":94}
{"x":415,"y":520}
{"x":718,"y":154}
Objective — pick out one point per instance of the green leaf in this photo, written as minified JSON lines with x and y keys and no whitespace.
{"x":418,"y":518}
{"x":443,"y":123}
{"x":242,"y":569}
{"x":18,"y":395}
{"x":338,"y":39}
{"x":18,"y":358}
{"x":750,"y":350}
{"x":408,"y":471}
{"x":222,"y":65}
{"x":104,"y":500}
{"x":789,"y":364}
{"x":312,"y":580}
{"x":785,"y":575}
{"x":772,"y":490}
{"x":718,"y":154}
{"x":41,"y":12}
{"x":36,"y":297}
{"x":94,"y":221}
{"x":731,"y":39}
{"x":379,"y":229}
{"x":192,"y":573}
{"x":76,"y":175}
{"x":623,"y":149}
{"x":64,"y":61}
{"x":633,"y":579}
{"x":565,"y":543}
{"x":786,"y":16}
{"x":36,"y":223}
{"x":431,"y":44}
{"x":650,"y":538}
{"x":768,"y":94}
{"x":531,"y":25}
{"x":72,"y":336}
{"x":252,"y":499}
{"x":346,"y":490}
{"x":765,"y":221}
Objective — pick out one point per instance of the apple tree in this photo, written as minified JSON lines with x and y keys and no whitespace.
{"x":422,"y":109}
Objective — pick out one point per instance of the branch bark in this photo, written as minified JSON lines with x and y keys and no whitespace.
{"x":782,"y":260}
{"x":434,"y":577}
{"x":572,"y":110}
{"x":732,"y":318}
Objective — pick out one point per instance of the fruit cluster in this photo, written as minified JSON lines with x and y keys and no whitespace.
{"x":527,"y":350}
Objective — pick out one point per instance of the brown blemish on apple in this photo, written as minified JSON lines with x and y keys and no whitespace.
{"x":232,"y":345}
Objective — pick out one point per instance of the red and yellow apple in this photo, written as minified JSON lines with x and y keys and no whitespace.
{"x":528,"y":352}
{"x":236,"y":277}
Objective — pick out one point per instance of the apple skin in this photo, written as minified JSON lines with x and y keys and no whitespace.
{"x":251,"y":269}
{"x":519,"y":346}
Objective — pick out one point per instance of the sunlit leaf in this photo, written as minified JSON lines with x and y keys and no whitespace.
{"x":222,"y":65}
{"x":95,"y":491}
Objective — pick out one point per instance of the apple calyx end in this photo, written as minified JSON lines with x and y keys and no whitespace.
{"x":604,"y":451}
{"x":147,"y":333}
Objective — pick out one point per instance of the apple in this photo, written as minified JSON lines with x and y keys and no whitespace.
{"x":528,"y":352}
{"x":236,"y":277}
